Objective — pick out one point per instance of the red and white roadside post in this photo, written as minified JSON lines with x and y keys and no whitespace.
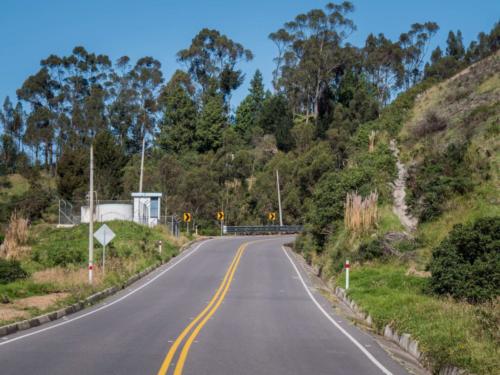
{"x":347,"y":266}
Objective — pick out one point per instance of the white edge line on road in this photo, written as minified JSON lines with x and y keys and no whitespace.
{"x":354,"y":341}
{"x":108,"y":304}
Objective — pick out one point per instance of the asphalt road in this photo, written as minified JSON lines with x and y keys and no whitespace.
{"x":229,"y":306}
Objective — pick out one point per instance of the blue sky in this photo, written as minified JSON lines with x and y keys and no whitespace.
{"x":31,"y":29}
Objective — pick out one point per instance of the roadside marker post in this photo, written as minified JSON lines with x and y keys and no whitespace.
{"x":347,"y":266}
{"x":104,"y":235}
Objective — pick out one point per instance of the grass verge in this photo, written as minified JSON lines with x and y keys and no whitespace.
{"x":449,"y":332}
{"x":57,"y":263}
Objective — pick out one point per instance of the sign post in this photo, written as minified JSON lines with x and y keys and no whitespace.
{"x":104,"y":235}
{"x":91,"y":213}
{"x":187,"y":218}
{"x":347,"y":266}
{"x":220,"y":217}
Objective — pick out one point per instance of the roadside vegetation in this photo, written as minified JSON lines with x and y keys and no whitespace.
{"x":440,"y":283}
{"x":337,"y":123}
{"x":449,"y":332}
{"x":49,"y":269}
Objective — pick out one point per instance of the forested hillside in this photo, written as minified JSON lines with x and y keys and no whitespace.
{"x":203,"y":153}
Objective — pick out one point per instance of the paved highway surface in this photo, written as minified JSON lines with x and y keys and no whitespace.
{"x":230,"y":306}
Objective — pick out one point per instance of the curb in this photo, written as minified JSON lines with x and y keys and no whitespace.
{"x":404,"y":341}
{"x":90,"y":300}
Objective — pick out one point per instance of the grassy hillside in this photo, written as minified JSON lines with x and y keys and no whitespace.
{"x":55,"y":261}
{"x":448,"y":137}
{"x":467,"y":110}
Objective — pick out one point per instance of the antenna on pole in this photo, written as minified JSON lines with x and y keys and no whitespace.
{"x":279,"y":197}
{"x":91,"y":212}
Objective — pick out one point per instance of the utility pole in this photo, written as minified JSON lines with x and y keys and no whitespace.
{"x":279,"y":197}
{"x":142,"y":162}
{"x":91,"y":212}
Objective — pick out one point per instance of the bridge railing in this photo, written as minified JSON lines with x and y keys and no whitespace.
{"x":262,"y":229}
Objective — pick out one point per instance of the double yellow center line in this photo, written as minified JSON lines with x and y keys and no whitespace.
{"x":197,"y":324}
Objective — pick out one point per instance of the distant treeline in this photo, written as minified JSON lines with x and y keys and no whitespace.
{"x":323,"y":89}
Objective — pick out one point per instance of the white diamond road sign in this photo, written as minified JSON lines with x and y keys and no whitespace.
{"x":104,"y":235}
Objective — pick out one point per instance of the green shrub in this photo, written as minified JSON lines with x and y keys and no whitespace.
{"x":370,"y":250}
{"x":60,"y":254}
{"x":437,"y":178}
{"x":327,"y":209}
{"x":432,"y":123}
{"x":11,"y":270}
{"x":466,"y":265}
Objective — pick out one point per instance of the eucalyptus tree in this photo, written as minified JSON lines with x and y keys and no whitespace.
{"x":212,"y":60}
{"x":414,"y":44}
{"x":67,"y":98}
{"x":11,"y":119}
{"x":383,"y":65}
{"x":85,"y":85}
{"x":485,"y":45}
{"x":455,"y":45}
{"x":123,"y":107}
{"x":39,"y":90}
{"x":146,"y":79}
{"x":311,"y":54}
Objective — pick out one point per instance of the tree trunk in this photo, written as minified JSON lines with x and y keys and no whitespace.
{"x":46,"y":156}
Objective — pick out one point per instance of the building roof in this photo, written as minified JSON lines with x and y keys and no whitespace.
{"x":146,"y":195}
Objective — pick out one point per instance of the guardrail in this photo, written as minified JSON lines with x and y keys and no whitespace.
{"x":262,"y":229}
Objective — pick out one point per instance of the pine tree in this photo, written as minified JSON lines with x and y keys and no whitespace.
{"x":178,"y":127}
{"x":276,"y":119}
{"x":250,"y":108}
{"x":211,"y":123}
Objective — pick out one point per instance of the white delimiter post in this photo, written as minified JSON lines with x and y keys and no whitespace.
{"x":91,"y":212}
{"x":347,"y":266}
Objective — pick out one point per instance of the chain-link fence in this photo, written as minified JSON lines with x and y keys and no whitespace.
{"x":68,"y":213}
{"x":172,"y":223}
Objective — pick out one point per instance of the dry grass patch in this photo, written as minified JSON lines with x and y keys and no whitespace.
{"x":40,"y":302}
{"x":67,"y":278}
{"x":8,"y":313}
{"x":16,"y":238}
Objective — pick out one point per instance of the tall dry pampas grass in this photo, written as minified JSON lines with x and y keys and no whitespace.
{"x":15,"y":238}
{"x":371,"y":140}
{"x":360,"y":214}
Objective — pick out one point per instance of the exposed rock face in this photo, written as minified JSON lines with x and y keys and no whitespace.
{"x":399,"y":193}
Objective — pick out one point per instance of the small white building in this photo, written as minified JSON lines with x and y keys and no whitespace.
{"x":107,"y":212}
{"x":147,"y":208}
